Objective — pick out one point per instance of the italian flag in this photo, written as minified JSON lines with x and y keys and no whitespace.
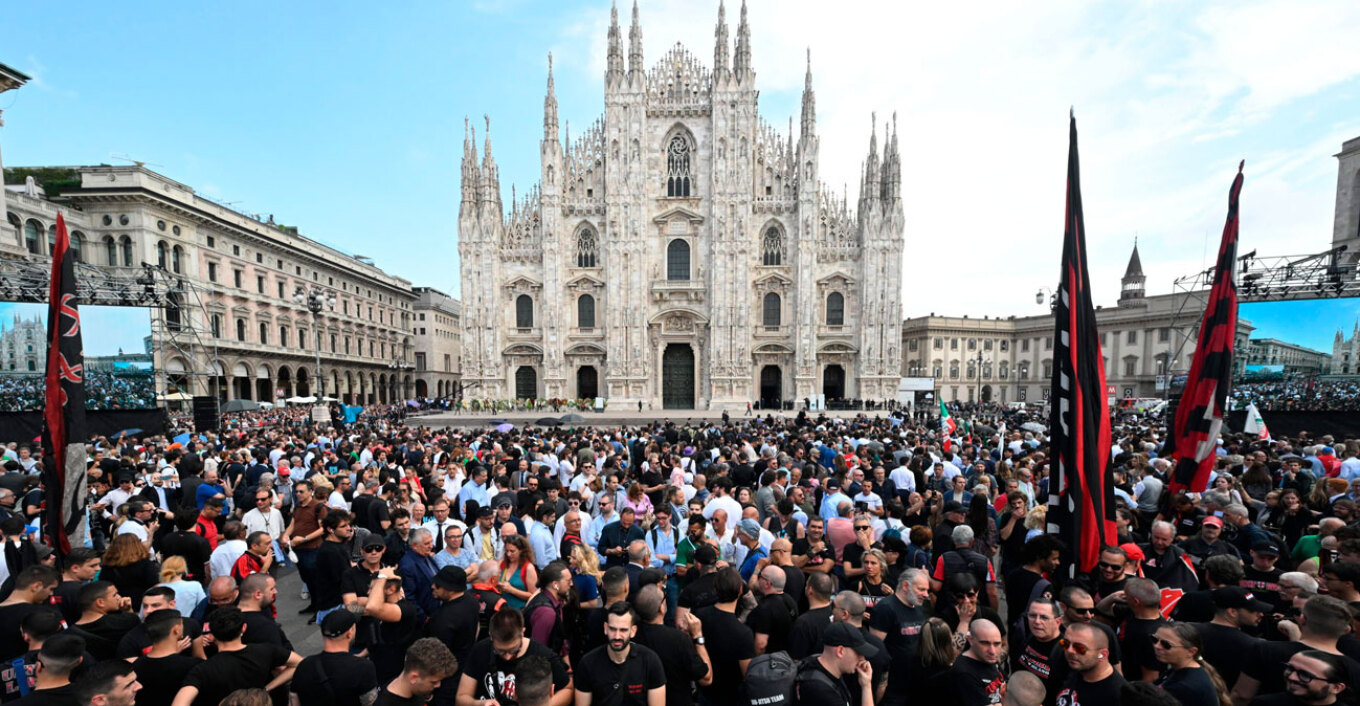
{"x":947,"y":425}
{"x":1255,"y":424}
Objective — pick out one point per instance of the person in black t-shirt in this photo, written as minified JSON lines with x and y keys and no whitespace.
{"x":1040,"y":636}
{"x":32,"y":590}
{"x":897,"y":621}
{"x":428,"y":662}
{"x":733,"y":652}
{"x":82,"y":565}
{"x":236,"y":664}
{"x":1187,"y":677}
{"x":699,"y":591}
{"x":492,"y":663}
{"x":258,"y":593}
{"x":683,"y":653}
{"x":58,"y":659}
{"x":1225,"y":645}
{"x":1314,"y":678}
{"x":332,"y":561}
{"x":1092,"y":681}
{"x":1143,"y":597}
{"x":805,"y":637}
{"x":395,"y":619}
{"x":105,"y":617}
{"x":1262,"y":577}
{"x":844,"y":652}
{"x":976,"y":678}
{"x":622,"y":673}
{"x":455,"y":622}
{"x":162,"y":668}
{"x":1038,"y":557}
{"x":773,"y":617}
{"x":137,"y":642}
{"x":1325,"y":620}
{"x":335,"y":677}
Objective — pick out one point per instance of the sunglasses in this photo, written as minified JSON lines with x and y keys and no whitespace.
{"x":1077,"y":647}
{"x":1110,"y":567}
{"x":1291,"y":672}
{"x":1081,"y":611}
{"x":1164,"y":644}
{"x":861,"y":529}
{"x":374,"y":549}
{"x":261,"y":500}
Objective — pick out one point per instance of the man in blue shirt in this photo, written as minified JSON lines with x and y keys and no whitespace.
{"x":616,"y":536}
{"x":211,"y":487}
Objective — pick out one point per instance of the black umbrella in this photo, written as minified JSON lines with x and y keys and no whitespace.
{"x":495,"y":422}
{"x":984,"y":429}
{"x":548,"y":422}
{"x":572,"y":419}
{"x":240,"y":406}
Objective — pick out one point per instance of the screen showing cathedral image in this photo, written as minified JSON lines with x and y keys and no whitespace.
{"x":1301,"y":356}
{"x":118,"y":361}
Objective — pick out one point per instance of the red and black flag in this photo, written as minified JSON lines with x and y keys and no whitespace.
{"x":1199,"y":416}
{"x":1081,"y":495}
{"x":63,"y":436}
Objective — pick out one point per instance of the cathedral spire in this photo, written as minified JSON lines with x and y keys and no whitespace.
{"x":1132,"y":285}
{"x":471,"y":176}
{"x":614,"y":62}
{"x":809,"y":124}
{"x":871,"y":166}
{"x":550,"y":107}
{"x":720,"y":45}
{"x":491,"y":182}
{"x":635,"y":45}
{"x":741,"y":62}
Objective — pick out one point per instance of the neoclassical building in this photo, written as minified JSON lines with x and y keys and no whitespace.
{"x":680,"y":251}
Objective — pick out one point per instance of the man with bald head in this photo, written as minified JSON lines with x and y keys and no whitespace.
{"x":773,"y":617}
{"x":1023,"y":689}
{"x":976,"y":678}
{"x":1086,"y":649}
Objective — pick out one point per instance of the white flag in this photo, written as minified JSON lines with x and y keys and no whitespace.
{"x":1255,"y":424}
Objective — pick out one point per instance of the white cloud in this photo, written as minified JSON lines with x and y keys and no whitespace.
{"x":1168,"y":98}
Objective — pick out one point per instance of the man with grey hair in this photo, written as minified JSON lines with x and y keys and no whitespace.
{"x":639,"y":558}
{"x":1143,"y":597}
{"x":417,"y":569}
{"x":848,"y":607}
{"x":962,"y":559}
{"x":773,"y":617}
{"x":897,"y":621}
{"x":1248,"y":533}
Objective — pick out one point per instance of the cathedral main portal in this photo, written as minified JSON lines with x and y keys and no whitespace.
{"x":677,"y":376}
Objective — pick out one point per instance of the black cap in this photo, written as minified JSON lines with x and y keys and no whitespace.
{"x":847,"y":635}
{"x":1239,"y":597}
{"x":337,"y":623}
{"x":503,"y":501}
{"x":1265,"y":547}
{"x":451,"y":578}
{"x":485,"y":512}
{"x":372,"y":541}
{"x":953,"y":506}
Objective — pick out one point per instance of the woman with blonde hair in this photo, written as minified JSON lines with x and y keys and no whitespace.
{"x":518,"y":575}
{"x":1036,"y":522}
{"x":189,"y":595}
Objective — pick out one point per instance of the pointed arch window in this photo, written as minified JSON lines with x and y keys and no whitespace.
{"x":587,"y":248}
{"x":585,"y":311}
{"x":773,"y":248}
{"x":125,"y":244}
{"x":33,"y":237}
{"x":111,"y":250}
{"x":524,"y":311}
{"x":835,"y":310}
{"x":678,"y":167}
{"x":773,"y":310}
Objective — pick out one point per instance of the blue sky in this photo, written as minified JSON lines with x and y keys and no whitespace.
{"x":346,"y":118}
{"x":1307,"y":323}
{"x":103,"y":329}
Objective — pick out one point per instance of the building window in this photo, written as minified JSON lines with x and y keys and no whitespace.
{"x":938,"y":370}
{"x":1023,"y":369}
{"x":524,"y":311}
{"x":953,"y":370}
{"x":217,"y":325}
{"x":283,"y":336}
{"x":33,"y":237}
{"x":972,"y":370}
{"x":420,"y":362}
{"x":259,"y":284}
{"x":1133,"y":336}
{"x":346,"y":345}
{"x":212,"y":242}
{"x":972,"y":344}
{"x":212,"y":271}
{"x":587,"y":248}
{"x":162,"y":255}
{"x":1130,"y":367}
{"x":913,"y":345}
{"x":953,"y":344}
{"x":241,"y":329}
{"x":176,"y":259}
{"x":77,"y":245}
{"x":835,"y":309}
{"x":264,"y":332}
{"x":334,"y":341}
{"x":259,"y":257}
{"x":111,"y":250}
{"x":585,"y":311}
{"x":1005,"y":345}
{"x":1004,"y":368}
{"x":1048,"y":369}
{"x":125,"y":244}
{"x":677,"y":167}
{"x":772,"y":310}
{"x":236,"y":276}
{"x":938,"y":344}
{"x":282,"y":286}
{"x":1048,"y":345}
{"x":773,"y":247}
{"x":236,"y":250}
{"x":1024,"y":345}
{"x":677,"y":261}
{"x":1163,"y":335}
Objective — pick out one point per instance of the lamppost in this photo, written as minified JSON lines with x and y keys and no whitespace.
{"x":399,"y":366}
{"x":978,"y":398}
{"x":316,"y":300}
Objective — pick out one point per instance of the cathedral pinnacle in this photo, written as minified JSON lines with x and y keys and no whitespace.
{"x":741,"y":62}
{"x":809,"y":124}
{"x":614,"y":62}
{"x":635,"y":44}
{"x":550,"y":106}
{"x":720,"y":45}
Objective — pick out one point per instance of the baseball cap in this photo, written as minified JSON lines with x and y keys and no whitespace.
{"x":373,"y":542}
{"x":337,"y":623}
{"x":1214,"y":521}
{"x":1239,"y":597}
{"x":750,"y":528}
{"x":1265,"y":547}
{"x":451,"y":578}
{"x":485,"y":512}
{"x":846,"y":635}
{"x":502,"y":501}
{"x":1133,"y":551}
{"x":953,"y":506}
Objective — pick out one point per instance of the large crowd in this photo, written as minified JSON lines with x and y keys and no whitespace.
{"x":767,"y":560}
{"x":1300,"y":394}
{"x":104,"y":390}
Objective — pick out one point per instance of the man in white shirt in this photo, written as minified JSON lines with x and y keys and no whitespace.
{"x":904,"y":480}
{"x":265,"y":518}
{"x":337,"y":497}
{"x":722,"y":499}
{"x":229,"y":549}
{"x":440,"y":522}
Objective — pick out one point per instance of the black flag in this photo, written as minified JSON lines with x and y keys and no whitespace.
{"x":63,"y":436}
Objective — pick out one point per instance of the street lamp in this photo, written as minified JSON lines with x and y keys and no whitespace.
{"x":316,"y":300}
{"x":978,"y":398}
{"x":1052,"y":297}
{"x":398,"y":366}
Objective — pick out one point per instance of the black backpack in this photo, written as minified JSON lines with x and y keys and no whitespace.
{"x":772,"y":679}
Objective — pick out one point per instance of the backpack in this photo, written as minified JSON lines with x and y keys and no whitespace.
{"x":772,"y":679}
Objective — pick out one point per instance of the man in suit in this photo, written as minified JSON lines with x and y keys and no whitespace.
{"x":160,"y":493}
{"x":417,"y":569}
{"x":958,"y":491}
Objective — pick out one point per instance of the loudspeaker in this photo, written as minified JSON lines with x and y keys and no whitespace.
{"x":205,"y":413}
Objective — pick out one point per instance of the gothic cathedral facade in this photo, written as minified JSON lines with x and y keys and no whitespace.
{"x":680,"y":252}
